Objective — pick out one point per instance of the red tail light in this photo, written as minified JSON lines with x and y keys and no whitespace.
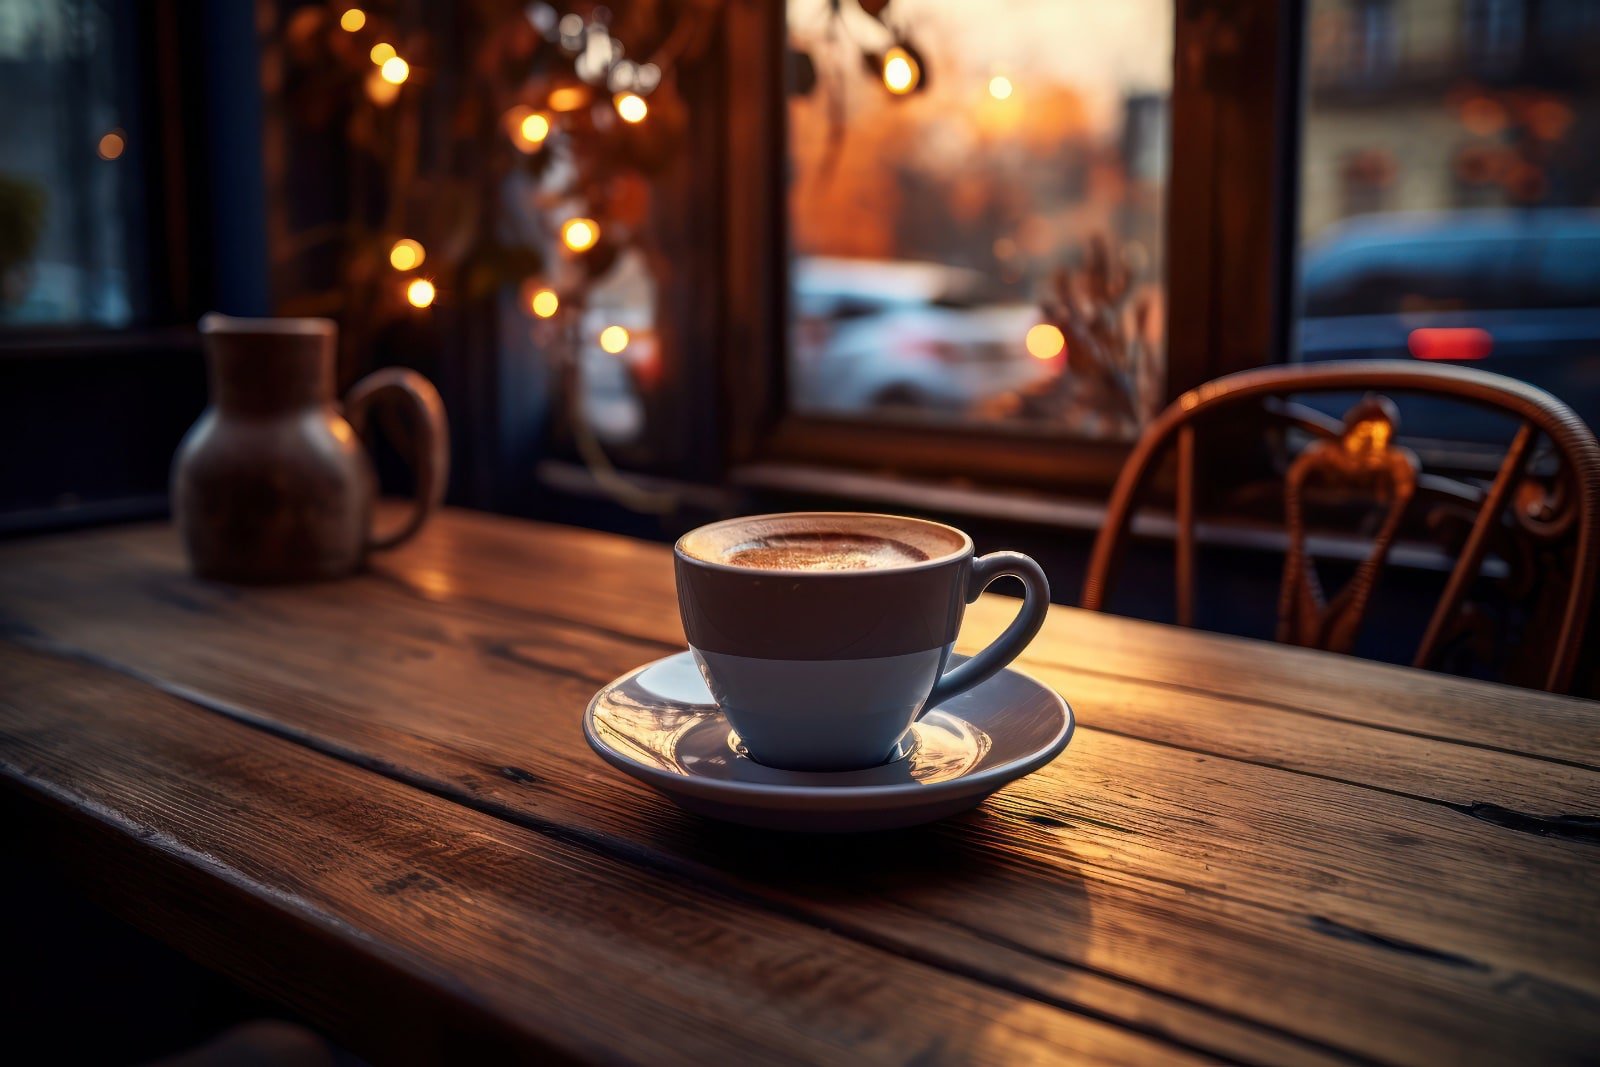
{"x":1450,"y":343}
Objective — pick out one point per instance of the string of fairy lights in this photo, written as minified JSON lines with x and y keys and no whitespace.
{"x":602,"y":70}
{"x":556,"y":131}
{"x":600,"y":63}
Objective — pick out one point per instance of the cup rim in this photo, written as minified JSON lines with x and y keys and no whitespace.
{"x":965,"y":548}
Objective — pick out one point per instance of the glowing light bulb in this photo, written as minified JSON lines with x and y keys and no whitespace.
{"x":527,"y":128}
{"x":534,"y":129}
{"x":407,"y":254}
{"x":631,"y":107}
{"x":112,"y":145}
{"x":580,"y":235}
{"x":381,"y":53}
{"x":1045,"y":341}
{"x":614,"y":339}
{"x":421,"y":292}
{"x":352,"y":20}
{"x":395,"y":70}
{"x":545,"y":303}
{"x":900,"y":72}
{"x":1000,"y":87}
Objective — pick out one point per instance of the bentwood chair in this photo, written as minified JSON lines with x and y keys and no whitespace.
{"x":1528,"y":534}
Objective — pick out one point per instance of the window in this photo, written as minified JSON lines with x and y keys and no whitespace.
{"x":1453,"y":212}
{"x":618,"y":351}
{"x":975,"y":201}
{"x":890,"y":252}
{"x":129,"y":192}
{"x":65,"y":167}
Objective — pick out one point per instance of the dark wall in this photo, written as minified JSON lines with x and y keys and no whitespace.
{"x":87,"y":433}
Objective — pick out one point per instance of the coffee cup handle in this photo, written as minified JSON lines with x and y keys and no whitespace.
{"x":430,"y":458}
{"x":1006,"y":647}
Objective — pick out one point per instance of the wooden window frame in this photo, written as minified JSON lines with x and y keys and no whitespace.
{"x":1231,"y":209}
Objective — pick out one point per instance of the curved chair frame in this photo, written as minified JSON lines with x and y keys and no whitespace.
{"x":1535,"y":410}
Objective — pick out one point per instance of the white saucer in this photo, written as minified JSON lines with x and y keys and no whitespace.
{"x":659,"y":724}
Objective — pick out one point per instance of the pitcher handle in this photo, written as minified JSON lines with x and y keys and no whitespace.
{"x":431,"y":460}
{"x":1006,"y":647}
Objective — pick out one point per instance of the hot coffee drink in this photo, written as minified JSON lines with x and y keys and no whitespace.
{"x":822,"y":542}
{"x":824,"y":550}
{"x":824,"y":635}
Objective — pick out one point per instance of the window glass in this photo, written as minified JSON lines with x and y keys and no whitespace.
{"x":64,"y":162}
{"x":618,"y":350}
{"x":958,"y":175}
{"x":1450,"y":193}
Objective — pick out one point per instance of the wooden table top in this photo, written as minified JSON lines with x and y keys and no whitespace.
{"x":372,"y":799}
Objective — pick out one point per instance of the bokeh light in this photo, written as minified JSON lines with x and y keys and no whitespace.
{"x":1483,"y":115}
{"x":527,"y":128}
{"x":352,"y":20}
{"x":631,"y":107}
{"x":900,"y":72}
{"x":395,"y":70}
{"x":580,"y":235}
{"x":1549,"y":119}
{"x":545,"y":303}
{"x":534,"y":129}
{"x":112,"y":144}
{"x":1046,"y":341}
{"x":420,"y":292}
{"x":381,"y":53}
{"x":568,"y":98}
{"x":407,"y":254}
{"x":1000,"y":87}
{"x":614,"y":339}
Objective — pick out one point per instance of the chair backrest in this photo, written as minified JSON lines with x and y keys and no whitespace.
{"x":1360,"y":455}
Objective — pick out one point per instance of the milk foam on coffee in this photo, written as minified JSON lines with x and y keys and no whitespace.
{"x":823,"y":550}
{"x":822,"y":541}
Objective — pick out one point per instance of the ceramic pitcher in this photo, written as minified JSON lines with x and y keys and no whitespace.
{"x":272,"y":484}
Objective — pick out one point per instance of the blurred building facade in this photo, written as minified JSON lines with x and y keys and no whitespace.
{"x":1419,"y":105}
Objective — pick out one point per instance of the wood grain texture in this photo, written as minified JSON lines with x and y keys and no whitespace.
{"x":1254,"y":879}
{"x":585,"y":957}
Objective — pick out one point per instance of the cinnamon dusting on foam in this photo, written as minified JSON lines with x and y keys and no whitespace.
{"x":822,"y":550}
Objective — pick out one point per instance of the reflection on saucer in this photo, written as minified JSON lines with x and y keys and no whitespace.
{"x":936,"y":749}
{"x":660,"y":725}
{"x":664,"y":717}
{"x":903,"y":748}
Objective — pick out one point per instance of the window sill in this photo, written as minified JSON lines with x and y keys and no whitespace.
{"x":69,"y":516}
{"x":1086,"y":516}
{"x":65,"y":342}
{"x":830,"y":486}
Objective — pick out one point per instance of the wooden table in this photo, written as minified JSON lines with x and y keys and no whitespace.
{"x":372,"y":800}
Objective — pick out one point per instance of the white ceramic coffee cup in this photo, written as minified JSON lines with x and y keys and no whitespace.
{"x":827,"y":669}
